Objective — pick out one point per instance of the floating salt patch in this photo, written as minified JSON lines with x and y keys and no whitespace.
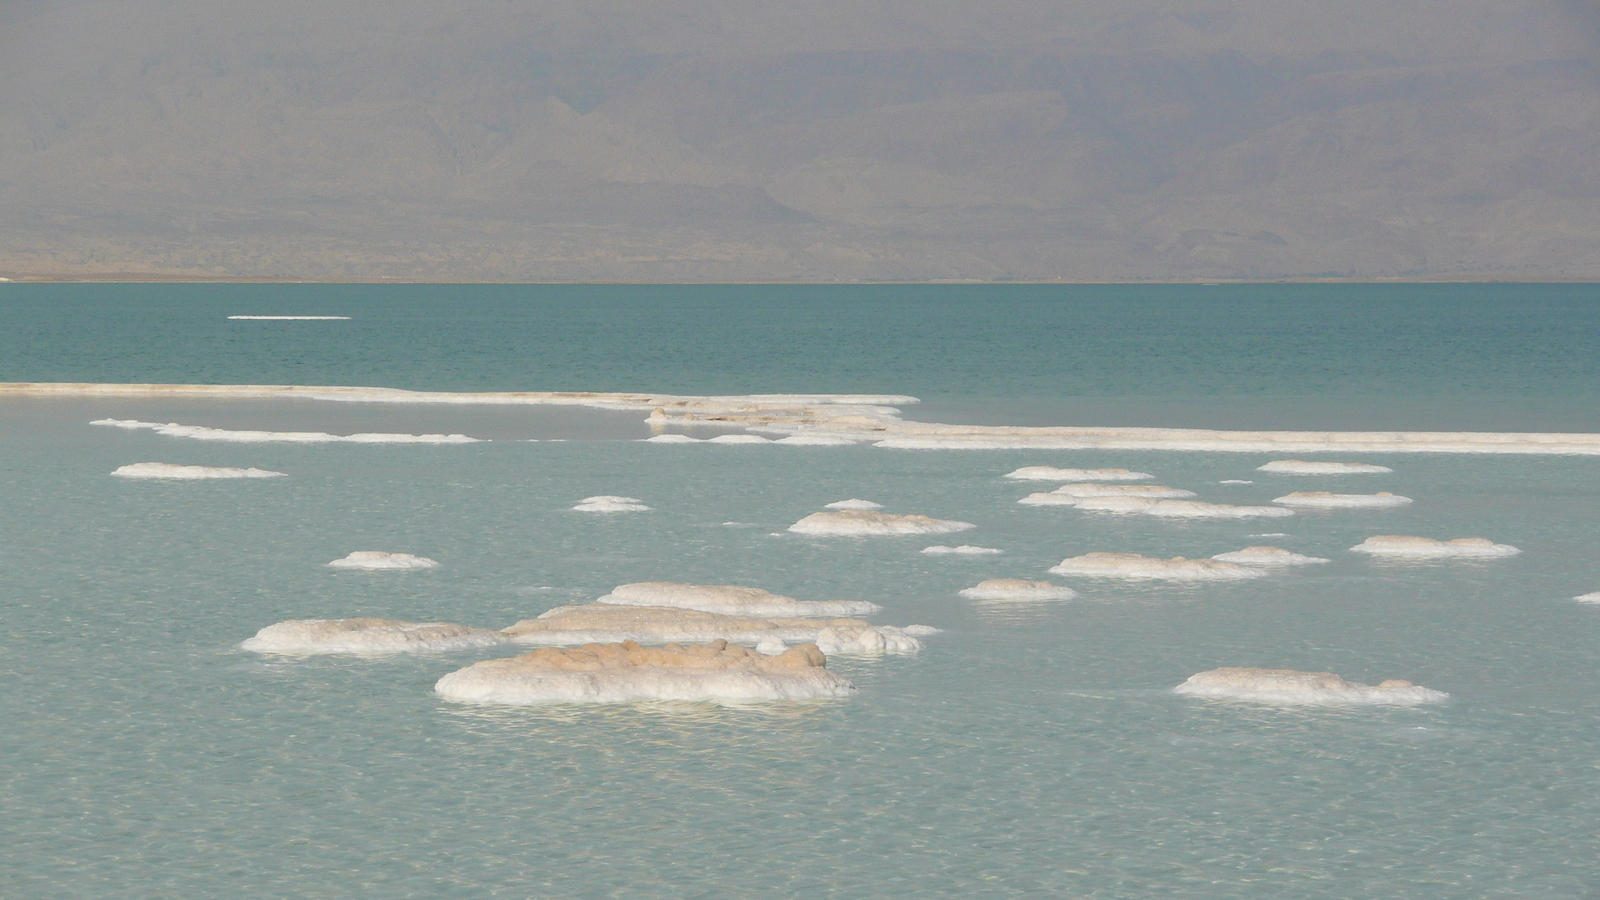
{"x":1132,"y":565}
{"x":1288,"y":687}
{"x":1402,"y":545}
{"x":607,"y":623}
{"x":1267,"y":556}
{"x":625,"y":672}
{"x":738,"y":439}
{"x":963,"y":550}
{"x":293,"y":318}
{"x":1017,"y":589}
{"x":1302,"y":467}
{"x":202,"y":433}
{"x":368,"y":636}
{"x":672,"y":439}
{"x":1147,"y":491}
{"x":1588,"y":598}
{"x":866,"y":522}
{"x":731,"y":600}
{"x":1325,"y":500}
{"x":381,"y":560}
{"x":1051,"y":473}
{"x":853,"y":504}
{"x":1235,"y":481}
{"x":1177,"y":509}
{"x":609,"y":504}
{"x":189,"y":473}
{"x":815,"y":440}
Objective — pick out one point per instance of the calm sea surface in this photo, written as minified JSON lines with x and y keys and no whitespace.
{"x":1029,"y":750}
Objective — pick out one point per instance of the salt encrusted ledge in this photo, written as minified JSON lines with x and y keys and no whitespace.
{"x":874,"y":419}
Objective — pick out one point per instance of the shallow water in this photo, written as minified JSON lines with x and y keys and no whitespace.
{"x":1030,"y":750}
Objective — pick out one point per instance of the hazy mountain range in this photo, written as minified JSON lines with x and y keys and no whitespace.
{"x":819,"y":140}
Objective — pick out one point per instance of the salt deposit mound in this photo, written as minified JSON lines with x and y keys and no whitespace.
{"x":1176,"y":509}
{"x":609,"y":504}
{"x":1293,"y":688}
{"x":731,"y":600}
{"x":866,"y":522}
{"x":1325,"y":500}
{"x":672,"y":439}
{"x":963,"y":550}
{"x":204,"y":433}
{"x":738,"y":439}
{"x":815,"y":440}
{"x":1267,"y":556}
{"x":1588,"y":598}
{"x":1051,"y":473}
{"x":368,"y":636}
{"x":1302,"y":467}
{"x":1407,"y":546}
{"x":853,"y":504}
{"x":1017,"y":589}
{"x":1132,"y":565}
{"x":605,"y":623}
{"x":382,"y":560}
{"x":189,"y":473}
{"x":626,"y":672}
{"x":1147,"y":491}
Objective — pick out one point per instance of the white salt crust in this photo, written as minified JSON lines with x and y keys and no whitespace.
{"x":738,"y":439}
{"x":293,"y":318}
{"x":628,"y":673}
{"x":380,"y":560}
{"x":603,"y":623}
{"x":1326,"y":500}
{"x":189,"y":473}
{"x":1177,"y":509}
{"x":1588,"y":598}
{"x":1132,"y":565}
{"x":1016,"y":589}
{"x":1288,"y":687}
{"x":672,"y":439}
{"x":732,"y":600}
{"x":815,"y":440}
{"x":609,"y":504}
{"x":1408,"y":546}
{"x":1267,"y":556}
{"x":202,"y":433}
{"x":1302,"y":467}
{"x":869,"y":523}
{"x":303,"y":637}
{"x":1235,"y":481}
{"x":853,"y":504}
{"x":1051,"y":473}
{"x":1068,"y":494}
{"x":963,"y":550}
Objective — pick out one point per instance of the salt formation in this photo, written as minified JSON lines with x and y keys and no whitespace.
{"x":853,"y":504}
{"x":1294,"y":688}
{"x":866,"y":522}
{"x":368,"y":636}
{"x":815,"y":440}
{"x":1302,"y":467}
{"x":1017,"y":589}
{"x":1588,"y":598}
{"x":607,"y":623}
{"x":1177,"y":509}
{"x":1407,"y":546}
{"x":672,"y":439}
{"x":1235,"y":481}
{"x":1132,"y":565}
{"x":963,"y":550}
{"x":293,"y":318}
{"x":738,"y":439}
{"x":1070,"y":494}
{"x":379,"y":560}
{"x":731,"y":600}
{"x":1051,"y":473}
{"x":202,"y":433}
{"x":189,"y":473}
{"x":1267,"y":556}
{"x":1325,"y":500}
{"x":626,"y":672}
{"x":609,"y":504}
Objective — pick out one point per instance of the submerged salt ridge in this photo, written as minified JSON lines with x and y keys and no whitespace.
{"x":190,"y":473}
{"x":203,"y":433}
{"x":870,"y":523}
{"x":875,"y":419}
{"x":368,"y":636}
{"x":1288,"y":687}
{"x":1402,"y":546}
{"x":731,"y":600}
{"x":382,"y":560}
{"x":1017,"y":590}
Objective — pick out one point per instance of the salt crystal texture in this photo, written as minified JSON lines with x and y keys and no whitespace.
{"x":301,"y":637}
{"x":606,"y":623}
{"x":1588,"y":598}
{"x":963,"y":550}
{"x":865,"y":522}
{"x":1017,"y":589}
{"x":731,"y":600}
{"x":1288,"y":687}
{"x":853,"y":504}
{"x":609,"y":504}
{"x":626,"y":672}
{"x":1302,"y":467}
{"x":1408,"y":546}
{"x":189,"y":473}
{"x":1132,"y":565}
{"x":1267,"y":556}
{"x":1325,"y":500}
{"x":1051,"y":473}
{"x":379,"y":559}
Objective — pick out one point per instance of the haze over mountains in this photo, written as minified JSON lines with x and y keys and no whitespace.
{"x":691,"y":139}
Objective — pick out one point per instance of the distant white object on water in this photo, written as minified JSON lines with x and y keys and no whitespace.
{"x":1051,"y":473}
{"x":609,"y":504}
{"x":383,"y":560}
{"x":1267,"y":556}
{"x":963,"y":550}
{"x":1408,"y":546}
{"x":1302,"y":467}
{"x":1134,"y":566}
{"x":189,"y":473}
{"x":1288,"y":687}
{"x":866,"y":522}
{"x":1017,"y":589}
{"x":853,"y":504}
{"x":1326,"y":500}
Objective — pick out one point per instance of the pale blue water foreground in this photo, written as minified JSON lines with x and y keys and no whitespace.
{"x":1029,"y":750}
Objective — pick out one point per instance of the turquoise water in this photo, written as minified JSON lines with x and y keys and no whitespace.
{"x":1029,"y":750}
